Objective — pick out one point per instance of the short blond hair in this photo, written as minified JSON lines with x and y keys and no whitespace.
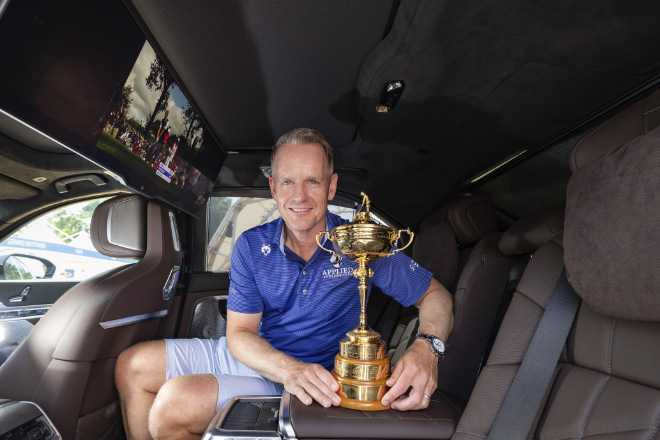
{"x":301,"y":136}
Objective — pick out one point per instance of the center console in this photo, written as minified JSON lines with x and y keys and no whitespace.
{"x":256,"y":417}
{"x":286,"y":418}
{"x":25,"y":421}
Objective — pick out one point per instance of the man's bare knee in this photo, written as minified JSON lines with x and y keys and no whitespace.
{"x":183,"y":407}
{"x":141,"y":367}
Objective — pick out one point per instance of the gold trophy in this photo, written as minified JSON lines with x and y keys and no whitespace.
{"x":362,"y":366}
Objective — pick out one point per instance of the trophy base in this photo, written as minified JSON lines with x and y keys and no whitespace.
{"x":364,"y":395}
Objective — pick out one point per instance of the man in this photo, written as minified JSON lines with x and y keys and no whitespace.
{"x":163,"y":128}
{"x":284,"y":317}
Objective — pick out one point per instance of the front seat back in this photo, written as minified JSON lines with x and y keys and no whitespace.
{"x":66,"y":364}
{"x":607,"y":382}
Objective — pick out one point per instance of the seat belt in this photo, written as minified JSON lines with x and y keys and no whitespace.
{"x":523,"y":401}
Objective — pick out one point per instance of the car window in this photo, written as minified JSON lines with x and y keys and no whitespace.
{"x":56,"y":246}
{"x":228,"y":217}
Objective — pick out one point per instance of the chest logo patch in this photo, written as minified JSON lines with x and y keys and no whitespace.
{"x":335,"y":259}
{"x":265,"y":249}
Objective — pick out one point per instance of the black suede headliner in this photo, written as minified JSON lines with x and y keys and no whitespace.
{"x":483,"y":80}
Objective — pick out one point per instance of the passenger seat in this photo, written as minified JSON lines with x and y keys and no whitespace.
{"x":443,"y":246}
{"x":607,"y":382}
{"x":484,"y":289}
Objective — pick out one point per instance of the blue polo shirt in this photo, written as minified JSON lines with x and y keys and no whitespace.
{"x":308,"y":306}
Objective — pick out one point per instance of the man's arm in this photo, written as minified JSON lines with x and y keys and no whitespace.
{"x":418,"y":366}
{"x":306,"y":381}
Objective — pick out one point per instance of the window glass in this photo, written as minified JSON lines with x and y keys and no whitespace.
{"x":56,"y":246}
{"x":230,"y":216}
{"x":537,"y":182}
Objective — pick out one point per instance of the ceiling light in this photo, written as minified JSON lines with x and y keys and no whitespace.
{"x":390,"y":95}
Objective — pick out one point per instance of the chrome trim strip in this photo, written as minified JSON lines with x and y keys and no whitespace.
{"x":133,"y":319}
{"x":23,"y":313}
{"x":285,"y":427}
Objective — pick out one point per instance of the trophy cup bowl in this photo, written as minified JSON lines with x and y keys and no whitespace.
{"x":362,"y":366}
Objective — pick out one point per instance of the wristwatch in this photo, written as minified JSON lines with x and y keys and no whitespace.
{"x":435,"y":343}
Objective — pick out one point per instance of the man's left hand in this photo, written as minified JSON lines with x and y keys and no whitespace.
{"x":417,"y":367}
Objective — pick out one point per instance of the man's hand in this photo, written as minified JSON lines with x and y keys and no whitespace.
{"x":312,"y":381}
{"x":417,"y":367}
{"x":305,"y":381}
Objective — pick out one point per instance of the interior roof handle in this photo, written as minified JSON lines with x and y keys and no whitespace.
{"x":62,"y":184}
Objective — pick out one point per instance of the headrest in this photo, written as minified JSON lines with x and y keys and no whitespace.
{"x":119,"y":227}
{"x":436,"y":250}
{"x":459,"y":223}
{"x":611,"y":231}
{"x":529,"y":233}
{"x":470,"y":218}
{"x":635,"y":121}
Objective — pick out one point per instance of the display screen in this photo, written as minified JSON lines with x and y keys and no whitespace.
{"x":153,"y":131}
{"x":83,"y":73}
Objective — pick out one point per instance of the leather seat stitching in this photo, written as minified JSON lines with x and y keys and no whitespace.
{"x":638,"y":428}
{"x":471,"y":433}
{"x":584,"y":426}
{"x":609,"y":362}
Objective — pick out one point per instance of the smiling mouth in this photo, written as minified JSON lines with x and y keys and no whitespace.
{"x":300,"y":209}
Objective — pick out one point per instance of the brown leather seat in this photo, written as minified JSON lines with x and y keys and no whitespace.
{"x":488,"y":273}
{"x":66,"y":364}
{"x":484,"y":292}
{"x":607,"y":382}
{"x":443,"y":246}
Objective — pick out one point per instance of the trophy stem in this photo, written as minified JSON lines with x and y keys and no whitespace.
{"x":362,"y":287}
{"x":363,"y":334}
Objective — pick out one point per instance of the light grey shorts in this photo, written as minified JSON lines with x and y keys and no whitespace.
{"x":212,"y":356}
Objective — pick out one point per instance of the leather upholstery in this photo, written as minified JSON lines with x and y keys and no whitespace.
{"x":529,"y":233}
{"x":617,"y":196}
{"x":481,"y":293}
{"x":440,"y":245}
{"x":112,"y":227}
{"x":470,"y":218}
{"x":438,"y":421}
{"x":606,"y":384}
{"x":66,"y":364}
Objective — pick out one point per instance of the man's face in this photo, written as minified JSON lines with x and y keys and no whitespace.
{"x":301,"y":186}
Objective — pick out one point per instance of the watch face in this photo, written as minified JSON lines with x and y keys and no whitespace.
{"x":438,"y":345}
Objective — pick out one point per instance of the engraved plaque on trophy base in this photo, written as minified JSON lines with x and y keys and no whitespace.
{"x":362,"y":370}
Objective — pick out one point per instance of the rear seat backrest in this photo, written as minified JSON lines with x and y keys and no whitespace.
{"x":442,"y":246}
{"x":483,"y":294}
{"x":607,"y":383}
{"x":484,"y":288}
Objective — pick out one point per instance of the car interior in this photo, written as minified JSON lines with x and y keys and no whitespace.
{"x":519,"y":141}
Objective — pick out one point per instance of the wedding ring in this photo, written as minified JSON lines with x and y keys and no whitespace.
{"x":427,"y":396}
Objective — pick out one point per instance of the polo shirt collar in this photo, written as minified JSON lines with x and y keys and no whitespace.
{"x":331,"y":221}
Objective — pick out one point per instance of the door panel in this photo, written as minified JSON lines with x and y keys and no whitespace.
{"x":205,"y":306}
{"x":38,"y":292}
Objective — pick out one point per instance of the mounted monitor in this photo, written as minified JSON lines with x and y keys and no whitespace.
{"x":82,"y":73}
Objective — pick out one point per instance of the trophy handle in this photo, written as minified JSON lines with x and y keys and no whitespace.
{"x":318,"y":241}
{"x":398,"y":236}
